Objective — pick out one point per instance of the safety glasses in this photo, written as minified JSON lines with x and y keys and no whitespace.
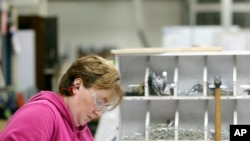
{"x":99,"y":104}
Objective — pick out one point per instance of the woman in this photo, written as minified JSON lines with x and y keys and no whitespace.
{"x":87,"y":89}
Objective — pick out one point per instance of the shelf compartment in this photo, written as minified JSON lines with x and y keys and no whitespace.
{"x":243,"y":75}
{"x":243,"y":114}
{"x":191,"y":120}
{"x":221,"y":66}
{"x":227,"y":118}
{"x":133,"y":114}
{"x":167,"y":65}
{"x":132,"y":72}
{"x":190,"y":75}
{"x":162,"y":120}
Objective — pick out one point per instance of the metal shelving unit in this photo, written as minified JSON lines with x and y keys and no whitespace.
{"x":190,"y":114}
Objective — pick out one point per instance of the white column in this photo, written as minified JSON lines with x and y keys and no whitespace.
{"x":192,"y":15}
{"x":192,"y":19}
{"x":226,"y":13}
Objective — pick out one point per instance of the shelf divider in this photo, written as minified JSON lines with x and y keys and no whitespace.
{"x":176,"y":123}
{"x":205,"y":85}
{"x":176,"y":74}
{"x":234,"y":76}
{"x":235,"y":114}
{"x":147,"y":125}
{"x":146,"y":88}
{"x":206,"y":121}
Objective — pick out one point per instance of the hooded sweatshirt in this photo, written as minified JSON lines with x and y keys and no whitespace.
{"x":44,"y":117}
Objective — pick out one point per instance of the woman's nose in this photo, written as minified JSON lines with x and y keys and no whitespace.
{"x":97,"y":113}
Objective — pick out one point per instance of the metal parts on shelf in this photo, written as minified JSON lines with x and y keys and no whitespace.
{"x":137,"y":90}
{"x":159,"y":85}
{"x":196,"y":90}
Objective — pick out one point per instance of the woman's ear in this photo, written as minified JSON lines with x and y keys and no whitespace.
{"x":77,"y":87}
{"x":77,"y":82}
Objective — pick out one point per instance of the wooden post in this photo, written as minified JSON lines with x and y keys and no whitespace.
{"x":217,"y":83}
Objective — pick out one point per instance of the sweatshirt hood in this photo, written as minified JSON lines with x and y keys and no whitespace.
{"x":55,"y":99}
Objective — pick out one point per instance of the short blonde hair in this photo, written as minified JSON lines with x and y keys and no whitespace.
{"x":95,"y":72}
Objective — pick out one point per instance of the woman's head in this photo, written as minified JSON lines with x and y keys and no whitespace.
{"x":89,"y":87}
{"x":95,"y":72}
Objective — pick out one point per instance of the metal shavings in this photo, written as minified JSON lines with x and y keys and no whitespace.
{"x":224,"y":134}
{"x":135,"y":136}
{"x":161,"y":132}
{"x":191,"y":134}
{"x":196,"y":90}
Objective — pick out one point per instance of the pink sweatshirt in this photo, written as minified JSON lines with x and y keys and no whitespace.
{"x":45,"y":117}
